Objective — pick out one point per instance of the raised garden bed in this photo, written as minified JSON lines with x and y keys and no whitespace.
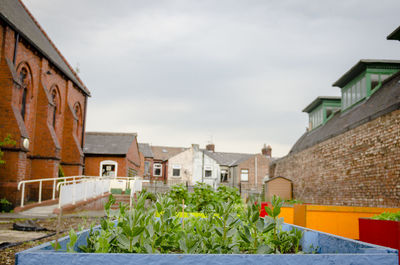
{"x":164,"y":230}
{"x":381,"y":232}
{"x":328,"y":249}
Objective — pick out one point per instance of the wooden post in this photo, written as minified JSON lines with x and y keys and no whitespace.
{"x":183,"y":214}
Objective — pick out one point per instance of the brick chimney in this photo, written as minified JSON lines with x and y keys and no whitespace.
{"x":266,"y":150}
{"x":210,"y":147}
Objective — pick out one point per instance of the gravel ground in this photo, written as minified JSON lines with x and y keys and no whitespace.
{"x":7,"y":256}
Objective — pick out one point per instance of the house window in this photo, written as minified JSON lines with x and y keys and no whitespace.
{"x":224,"y":175}
{"x":244,"y":175}
{"x":146,"y":168}
{"x":207,"y":172}
{"x":176,"y":170}
{"x":108,"y":168}
{"x":157,"y":170}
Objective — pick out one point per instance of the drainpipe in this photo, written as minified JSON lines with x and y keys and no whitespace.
{"x":83,"y":135}
{"x":15,"y":47}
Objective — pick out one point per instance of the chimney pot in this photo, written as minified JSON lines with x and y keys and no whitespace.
{"x":210,"y":147}
{"x":266,"y":150}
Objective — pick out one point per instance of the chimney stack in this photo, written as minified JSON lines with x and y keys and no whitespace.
{"x":195,"y":147}
{"x":266,"y":150}
{"x":210,"y":147}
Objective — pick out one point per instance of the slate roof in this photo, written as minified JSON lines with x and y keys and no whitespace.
{"x":145,"y":149}
{"x":395,"y":35}
{"x":14,"y":13}
{"x":227,"y":159}
{"x":361,"y":66}
{"x":318,"y":101}
{"x":165,"y":152}
{"x":108,"y":143}
{"x":383,"y":101}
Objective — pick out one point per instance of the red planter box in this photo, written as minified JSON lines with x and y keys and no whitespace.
{"x":380,"y":232}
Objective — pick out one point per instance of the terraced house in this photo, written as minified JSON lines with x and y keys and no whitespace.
{"x":350,"y":154}
{"x":42,"y":104}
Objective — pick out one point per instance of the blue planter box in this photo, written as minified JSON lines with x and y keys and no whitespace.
{"x":330,"y":249}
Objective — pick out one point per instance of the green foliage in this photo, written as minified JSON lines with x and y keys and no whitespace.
{"x":4,"y":201}
{"x":159,"y":228}
{"x":388,"y":216}
{"x":72,"y":240}
{"x":5,"y":205}
{"x":60,"y":172}
{"x":226,"y":193}
{"x":178,"y":193}
{"x":293,"y":201}
{"x":6,"y":141}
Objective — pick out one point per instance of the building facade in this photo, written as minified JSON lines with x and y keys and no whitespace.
{"x":193,"y":165}
{"x":43,"y":105}
{"x":111,"y":154}
{"x":146,"y":161}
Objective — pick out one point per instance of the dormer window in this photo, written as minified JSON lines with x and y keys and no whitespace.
{"x":321,"y":110}
{"x":364,"y":79}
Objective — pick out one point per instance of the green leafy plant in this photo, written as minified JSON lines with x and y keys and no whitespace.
{"x":7,"y":141}
{"x":5,"y":205}
{"x":164,"y":227}
{"x":388,"y":216}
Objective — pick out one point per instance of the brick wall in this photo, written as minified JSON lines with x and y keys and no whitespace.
{"x":49,"y":145}
{"x":250,"y":164}
{"x":360,"y":167}
{"x":92,"y":165}
{"x":133,"y":157}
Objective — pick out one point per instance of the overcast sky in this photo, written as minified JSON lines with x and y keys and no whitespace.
{"x":237,"y":73}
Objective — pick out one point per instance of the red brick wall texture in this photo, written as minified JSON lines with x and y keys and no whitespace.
{"x":53,"y":142}
{"x":360,"y":167}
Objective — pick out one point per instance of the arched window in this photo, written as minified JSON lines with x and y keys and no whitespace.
{"x":25,"y":79}
{"x":56,"y":100}
{"x":78,"y":113}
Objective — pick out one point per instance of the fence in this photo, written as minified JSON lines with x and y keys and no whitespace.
{"x":40,"y":183}
{"x":82,"y":189}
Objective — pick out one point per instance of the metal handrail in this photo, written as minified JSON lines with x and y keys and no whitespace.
{"x":73,"y":180}
{"x":23,"y":182}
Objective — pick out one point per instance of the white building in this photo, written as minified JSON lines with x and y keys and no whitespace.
{"x":193,"y":165}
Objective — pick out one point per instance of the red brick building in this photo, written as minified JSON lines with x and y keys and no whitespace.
{"x":146,"y":161}
{"x":42,"y":104}
{"x":111,"y":154}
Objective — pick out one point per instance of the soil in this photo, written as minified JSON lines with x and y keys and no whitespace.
{"x":7,"y":255}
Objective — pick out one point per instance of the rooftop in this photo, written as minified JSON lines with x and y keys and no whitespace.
{"x":383,"y":101}
{"x":361,"y":66}
{"x":227,"y":159}
{"x":108,"y":143}
{"x":318,"y":101}
{"x":14,"y":13}
{"x":145,"y":149}
{"x":395,"y":35}
{"x":163,"y":153}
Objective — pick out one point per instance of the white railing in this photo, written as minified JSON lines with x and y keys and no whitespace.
{"x":80,"y":188}
{"x":123,"y":183}
{"x":40,"y":181}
